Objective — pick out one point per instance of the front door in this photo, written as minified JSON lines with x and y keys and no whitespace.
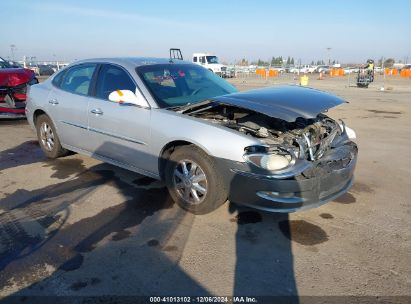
{"x":118,"y":132}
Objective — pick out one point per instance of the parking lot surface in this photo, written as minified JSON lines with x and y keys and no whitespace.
{"x":76,"y":226}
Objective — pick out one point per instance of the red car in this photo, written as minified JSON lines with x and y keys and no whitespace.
{"x":13,"y":87}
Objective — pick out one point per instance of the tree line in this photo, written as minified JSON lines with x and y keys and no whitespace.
{"x":280,"y":61}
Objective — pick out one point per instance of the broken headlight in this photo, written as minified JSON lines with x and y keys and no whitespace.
{"x":270,"y":158}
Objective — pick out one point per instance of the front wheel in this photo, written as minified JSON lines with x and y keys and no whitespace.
{"x":193,"y":180}
{"x":48,"y":139}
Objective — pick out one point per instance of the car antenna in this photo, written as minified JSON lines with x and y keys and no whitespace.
{"x":175,"y":54}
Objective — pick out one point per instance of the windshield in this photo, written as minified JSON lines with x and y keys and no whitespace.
{"x":4,"y":64}
{"x":181,"y":84}
{"x":212,"y":59}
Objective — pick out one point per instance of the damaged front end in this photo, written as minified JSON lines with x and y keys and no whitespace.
{"x":13,"y":91}
{"x":299,"y":164}
{"x":294,"y":146}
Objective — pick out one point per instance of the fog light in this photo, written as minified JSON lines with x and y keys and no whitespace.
{"x":283,"y":197}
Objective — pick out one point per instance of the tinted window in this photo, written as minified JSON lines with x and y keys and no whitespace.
{"x":112,"y":78}
{"x":195,"y":59}
{"x":180,"y":84}
{"x":4,"y":65}
{"x":212,"y":59}
{"x":78,"y":78}
{"x":57,"y":79}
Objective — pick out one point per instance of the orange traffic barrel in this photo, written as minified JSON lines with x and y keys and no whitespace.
{"x":321,"y":77}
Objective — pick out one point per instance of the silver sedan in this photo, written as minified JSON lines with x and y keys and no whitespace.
{"x":271,"y":149}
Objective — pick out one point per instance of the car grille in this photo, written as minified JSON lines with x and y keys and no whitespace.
{"x":333,"y":160}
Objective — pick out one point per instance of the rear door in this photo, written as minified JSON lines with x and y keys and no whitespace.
{"x":119,"y":132}
{"x":68,"y":104}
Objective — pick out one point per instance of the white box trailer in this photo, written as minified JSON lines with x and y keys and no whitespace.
{"x":210,"y":61}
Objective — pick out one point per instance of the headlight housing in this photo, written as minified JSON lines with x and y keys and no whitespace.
{"x":270,"y":158}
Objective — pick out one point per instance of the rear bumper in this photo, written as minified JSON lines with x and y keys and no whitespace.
{"x":11,"y":115}
{"x":288,"y":195}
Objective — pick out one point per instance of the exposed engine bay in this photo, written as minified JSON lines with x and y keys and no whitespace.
{"x":309,"y":138}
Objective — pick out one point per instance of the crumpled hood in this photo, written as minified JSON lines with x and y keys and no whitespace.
{"x":283,"y":102}
{"x":15,"y":76}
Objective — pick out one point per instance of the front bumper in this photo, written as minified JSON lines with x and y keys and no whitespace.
{"x":13,"y":101}
{"x":308,"y":190}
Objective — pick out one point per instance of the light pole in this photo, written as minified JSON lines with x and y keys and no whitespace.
{"x":12,"y":50}
{"x":328,"y":54}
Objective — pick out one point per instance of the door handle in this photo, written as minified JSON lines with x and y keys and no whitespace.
{"x":97,"y":111}
{"x":53,"y":101}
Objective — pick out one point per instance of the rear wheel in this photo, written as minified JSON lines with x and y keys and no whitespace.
{"x":48,"y":139}
{"x":193,"y":180}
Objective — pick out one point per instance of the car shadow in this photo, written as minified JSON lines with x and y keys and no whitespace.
{"x":28,"y":152}
{"x":264,"y":260}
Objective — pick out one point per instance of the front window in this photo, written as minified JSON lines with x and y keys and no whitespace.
{"x":212,"y":59}
{"x":180,"y":84}
{"x":112,"y":78}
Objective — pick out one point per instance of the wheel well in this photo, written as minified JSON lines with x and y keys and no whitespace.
{"x":36,"y":114}
{"x":166,"y":152}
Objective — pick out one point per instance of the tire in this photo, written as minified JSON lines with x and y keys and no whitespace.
{"x":48,"y":139}
{"x":215,"y":193}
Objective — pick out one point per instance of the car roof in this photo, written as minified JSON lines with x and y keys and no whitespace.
{"x":132,"y":62}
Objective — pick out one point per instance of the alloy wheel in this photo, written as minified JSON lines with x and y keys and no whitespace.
{"x":47,"y":136}
{"x":190,"y":181}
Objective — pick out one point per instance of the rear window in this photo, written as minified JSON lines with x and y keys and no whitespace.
{"x":78,"y":79}
{"x":58,"y":78}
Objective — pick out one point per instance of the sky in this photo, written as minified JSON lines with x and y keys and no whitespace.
{"x":231,"y":29}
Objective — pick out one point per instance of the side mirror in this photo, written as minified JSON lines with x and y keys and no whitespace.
{"x":127,"y":97}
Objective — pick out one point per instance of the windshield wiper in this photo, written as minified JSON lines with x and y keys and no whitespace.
{"x":185,"y":107}
{"x":193,"y":105}
{"x":174,"y":107}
